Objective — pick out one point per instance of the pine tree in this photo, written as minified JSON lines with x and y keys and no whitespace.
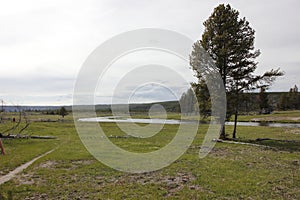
{"x":188,"y":102}
{"x":283,"y":101}
{"x":63,"y":112}
{"x":263,"y":100}
{"x":229,"y":41}
{"x":203,"y":98}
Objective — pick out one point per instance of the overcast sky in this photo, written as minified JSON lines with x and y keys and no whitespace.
{"x":43,"y":43}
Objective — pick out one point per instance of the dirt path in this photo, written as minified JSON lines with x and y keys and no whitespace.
{"x":13,"y":173}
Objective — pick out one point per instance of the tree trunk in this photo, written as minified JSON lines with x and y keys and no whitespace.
{"x":235,"y":115}
{"x":222,"y":134}
{"x":2,"y":147}
{"x":235,"y":123}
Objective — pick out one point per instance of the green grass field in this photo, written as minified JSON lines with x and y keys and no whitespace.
{"x":230,"y":171}
{"x":292,"y":116}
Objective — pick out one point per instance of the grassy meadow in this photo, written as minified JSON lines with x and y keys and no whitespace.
{"x":230,"y":171}
{"x":292,"y":116}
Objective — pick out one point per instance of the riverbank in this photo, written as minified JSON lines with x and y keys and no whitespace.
{"x":274,"y":117}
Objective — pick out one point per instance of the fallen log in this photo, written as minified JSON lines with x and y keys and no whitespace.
{"x":242,"y":143}
{"x":41,"y":137}
{"x":28,"y":136}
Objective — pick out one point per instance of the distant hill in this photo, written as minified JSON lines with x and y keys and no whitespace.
{"x":30,"y":108}
{"x":248,"y":104}
{"x":170,"y":106}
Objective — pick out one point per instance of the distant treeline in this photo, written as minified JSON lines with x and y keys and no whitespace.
{"x":169,"y":106}
{"x":249,"y":102}
{"x":30,"y":108}
{"x":275,"y":101}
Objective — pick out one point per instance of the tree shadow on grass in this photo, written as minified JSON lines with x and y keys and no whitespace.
{"x":275,"y":144}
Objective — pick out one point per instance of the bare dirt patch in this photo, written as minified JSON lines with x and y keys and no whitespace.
{"x":25,"y":179}
{"x":220,"y":152}
{"x":171,"y":183}
{"x":82,"y":162}
{"x":293,"y":131}
{"x":37,"y":196}
{"x":48,"y":164}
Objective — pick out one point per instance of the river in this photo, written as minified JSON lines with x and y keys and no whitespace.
{"x":173,"y":121}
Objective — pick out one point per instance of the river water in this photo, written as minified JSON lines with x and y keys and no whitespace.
{"x":173,"y":121}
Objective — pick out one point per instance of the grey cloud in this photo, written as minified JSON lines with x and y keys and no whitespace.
{"x":35,"y":85}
